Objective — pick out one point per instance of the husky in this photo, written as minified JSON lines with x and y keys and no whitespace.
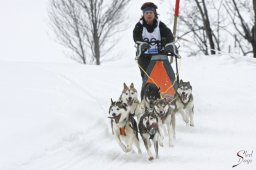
{"x":124,"y":126}
{"x":148,"y":128}
{"x":129,"y":96}
{"x":184,"y":102}
{"x":150,"y":93}
{"x":164,"y":110}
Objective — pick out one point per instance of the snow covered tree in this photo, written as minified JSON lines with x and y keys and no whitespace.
{"x":86,"y":24}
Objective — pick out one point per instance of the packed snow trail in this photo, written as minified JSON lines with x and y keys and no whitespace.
{"x":54,"y":116}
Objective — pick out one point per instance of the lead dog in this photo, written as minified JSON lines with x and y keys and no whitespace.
{"x":164,"y":110}
{"x":148,"y":128}
{"x":185,"y":102}
{"x":129,"y":96}
{"x":124,"y":126}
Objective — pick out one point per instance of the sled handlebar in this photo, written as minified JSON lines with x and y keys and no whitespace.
{"x":169,"y":49}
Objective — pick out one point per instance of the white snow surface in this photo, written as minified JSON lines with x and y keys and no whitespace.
{"x":54,"y":116}
{"x":53,"y":111}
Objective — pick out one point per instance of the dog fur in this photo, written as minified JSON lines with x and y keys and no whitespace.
{"x":124,"y":126}
{"x":129,"y":96}
{"x":148,"y":128}
{"x":164,"y":111}
{"x":185,"y":102}
{"x":150,"y":93}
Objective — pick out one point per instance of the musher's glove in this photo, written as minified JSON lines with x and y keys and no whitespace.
{"x":172,"y":49}
{"x":141,"y":48}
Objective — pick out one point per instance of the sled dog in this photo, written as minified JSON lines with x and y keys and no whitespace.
{"x":185,"y":102}
{"x":124,"y":126}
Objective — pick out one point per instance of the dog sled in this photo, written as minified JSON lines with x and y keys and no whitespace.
{"x":160,"y":71}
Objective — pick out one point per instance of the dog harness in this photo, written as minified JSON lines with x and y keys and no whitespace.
{"x":122,"y":131}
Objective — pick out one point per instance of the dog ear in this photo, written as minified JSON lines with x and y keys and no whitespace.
{"x":112,"y":102}
{"x":125,"y":106}
{"x":125,"y":86}
{"x":132,"y":86}
{"x":181,"y":81}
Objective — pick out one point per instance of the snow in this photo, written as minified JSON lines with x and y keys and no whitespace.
{"x":54,"y":116}
{"x":53,"y":112}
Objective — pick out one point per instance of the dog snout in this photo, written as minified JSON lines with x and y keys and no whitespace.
{"x":113,"y":114}
{"x":147,"y":123}
{"x":183,"y":93}
{"x":161,"y":112}
{"x":130,"y":98}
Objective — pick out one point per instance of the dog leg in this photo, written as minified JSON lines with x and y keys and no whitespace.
{"x":191,"y":114}
{"x":161,"y":136}
{"x":146,"y":143}
{"x":120,"y":143}
{"x":129,"y":143}
{"x":173,"y":123}
{"x":111,"y":122}
{"x":170,"y":133}
{"x":184,"y":116}
{"x":156,"y":146}
{"x":137,"y":144}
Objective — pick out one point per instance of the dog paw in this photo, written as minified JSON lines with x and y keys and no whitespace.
{"x":128,"y":149}
{"x":157,"y":157}
{"x":151,"y":158}
{"x":192,"y":124}
{"x":139,"y":152}
{"x":125,"y":149}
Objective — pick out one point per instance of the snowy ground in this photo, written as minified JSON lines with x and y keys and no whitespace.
{"x":53,"y":111}
{"x":54,"y":116}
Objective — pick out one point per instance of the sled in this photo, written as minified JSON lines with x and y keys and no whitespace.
{"x":161,"y":73}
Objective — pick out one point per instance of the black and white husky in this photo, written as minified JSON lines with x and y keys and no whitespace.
{"x":124,"y":126}
{"x":164,"y":110}
{"x":148,"y":128}
{"x":185,"y":102}
{"x":150,"y":93}
{"x":129,"y":96}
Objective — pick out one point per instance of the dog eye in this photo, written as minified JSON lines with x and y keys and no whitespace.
{"x":126,"y":93}
{"x":151,"y":118}
{"x":117,"y":109}
{"x":132,"y":93}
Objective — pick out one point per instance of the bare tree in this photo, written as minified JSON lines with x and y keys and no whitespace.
{"x":205,"y":29}
{"x":245,"y":29}
{"x":83,"y":24}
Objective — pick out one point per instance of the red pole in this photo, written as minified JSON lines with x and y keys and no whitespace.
{"x":177,"y":8}
{"x":176,"y":15}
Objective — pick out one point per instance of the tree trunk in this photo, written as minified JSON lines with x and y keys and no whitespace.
{"x":254,"y":31}
{"x":96,"y":47}
{"x":208,"y":29}
{"x":253,"y":43}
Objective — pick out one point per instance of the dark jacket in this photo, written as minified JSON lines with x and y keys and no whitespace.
{"x":165,"y":32}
